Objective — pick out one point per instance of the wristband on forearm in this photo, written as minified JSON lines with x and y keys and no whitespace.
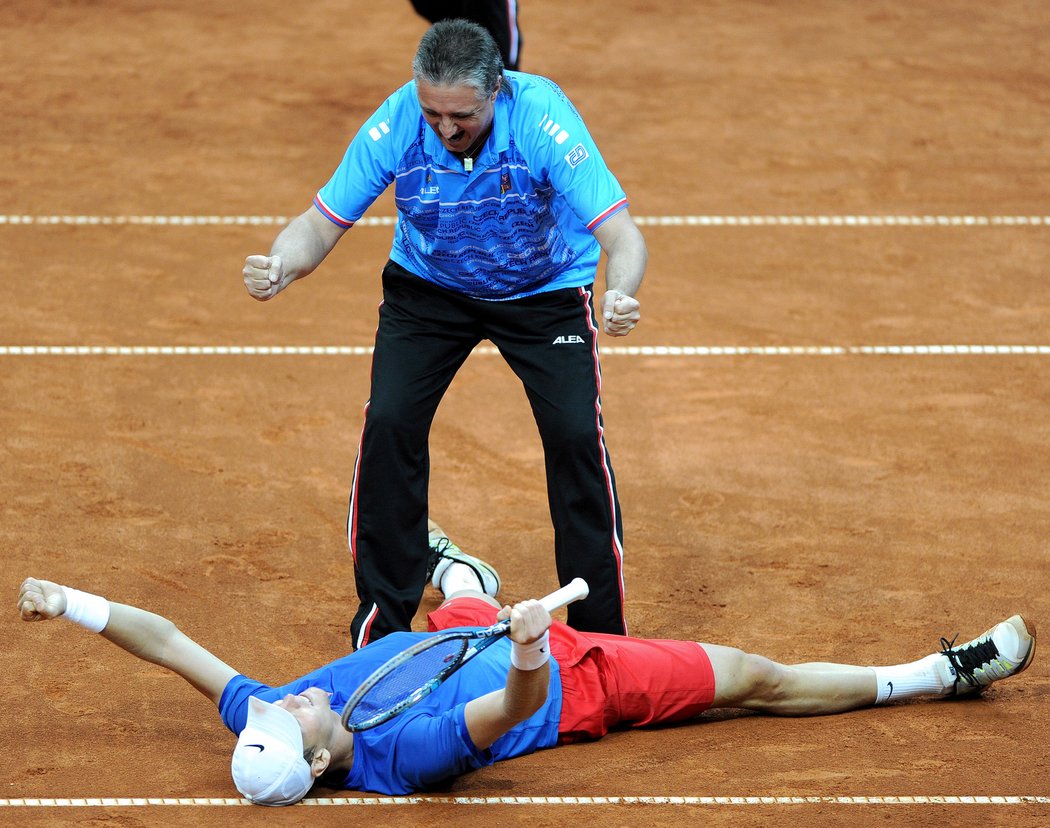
{"x":89,"y":611}
{"x":531,"y":656}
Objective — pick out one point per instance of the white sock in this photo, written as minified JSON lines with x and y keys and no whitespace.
{"x":932,"y":675}
{"x":458,"y":577}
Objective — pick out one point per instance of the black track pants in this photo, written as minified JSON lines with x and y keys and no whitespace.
{"x":425,"y":334}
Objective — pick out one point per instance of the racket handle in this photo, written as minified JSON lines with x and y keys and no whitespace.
{"x":575,"y":590}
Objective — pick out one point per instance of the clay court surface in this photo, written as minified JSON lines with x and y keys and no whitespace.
{"x":832,"y":193}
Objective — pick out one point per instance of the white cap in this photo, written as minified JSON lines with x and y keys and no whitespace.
{"x":268,"y":765}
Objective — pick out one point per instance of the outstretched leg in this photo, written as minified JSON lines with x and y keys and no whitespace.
{"x":757,"y":683}
{"x":753,"y":682}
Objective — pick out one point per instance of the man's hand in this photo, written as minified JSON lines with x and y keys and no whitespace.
{"x":264,"y":276}
{"x":620,"y":313}
{"x":528,"y":620}
{"x":40,"y":600}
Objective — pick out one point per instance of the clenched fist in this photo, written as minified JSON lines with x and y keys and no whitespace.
{"x":620,"y":313}
{"x":40,"y":600}
{"x":264,"y":276}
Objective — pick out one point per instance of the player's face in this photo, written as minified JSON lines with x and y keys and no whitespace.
{"x":312,"y":709}
{"x":456,"y":114}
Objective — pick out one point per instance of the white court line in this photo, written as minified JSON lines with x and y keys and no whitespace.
{"x":488,"y":350}
{"x":386,"y":801}
{"x":650,"y":221}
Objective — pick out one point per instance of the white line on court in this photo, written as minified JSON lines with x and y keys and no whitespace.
{"x":386,"y":801}
{"x":488,"y":350}
{"x":650,"y":221}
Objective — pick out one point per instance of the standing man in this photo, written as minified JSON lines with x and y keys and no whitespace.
{"x":498,"y":17}
{"x":504,"y":205}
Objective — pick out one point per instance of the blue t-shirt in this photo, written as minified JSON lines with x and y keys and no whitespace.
{"x":428,"y":743}
{"x":520,"y":223}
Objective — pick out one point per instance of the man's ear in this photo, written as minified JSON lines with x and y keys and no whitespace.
{"x":322,"y":759}
{"x":499,"y":83}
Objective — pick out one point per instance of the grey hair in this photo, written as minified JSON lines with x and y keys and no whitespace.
{"x":459,"y":53}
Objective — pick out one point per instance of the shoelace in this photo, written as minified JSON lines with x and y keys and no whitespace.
{"x":436,"y":551}
{"x":441,"y":545}
{"x":966,"y":660}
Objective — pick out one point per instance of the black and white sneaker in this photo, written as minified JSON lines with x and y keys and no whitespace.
{"x":444,"y":553}
{"x":1003,"y":651}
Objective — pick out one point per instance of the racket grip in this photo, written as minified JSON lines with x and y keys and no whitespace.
{"x":575,"y":590}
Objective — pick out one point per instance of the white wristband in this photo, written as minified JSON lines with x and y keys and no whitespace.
{"x":89,"y":611}
{"x":531,"y":656}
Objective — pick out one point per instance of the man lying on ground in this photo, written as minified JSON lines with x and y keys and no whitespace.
{"x":515,"y":697}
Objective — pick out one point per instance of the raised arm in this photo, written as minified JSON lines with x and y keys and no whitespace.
{"x":627,"y":254}
{"x":144,"y":634}
{"x":492,"y":715}
{"x":296,"y":252}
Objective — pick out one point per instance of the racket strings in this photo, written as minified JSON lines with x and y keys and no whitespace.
{"x":398,"y":685}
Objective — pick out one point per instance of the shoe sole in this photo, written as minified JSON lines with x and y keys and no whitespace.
{"x":1030,"y":629}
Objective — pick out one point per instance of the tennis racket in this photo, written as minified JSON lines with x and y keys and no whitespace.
{"x":416,"y":672}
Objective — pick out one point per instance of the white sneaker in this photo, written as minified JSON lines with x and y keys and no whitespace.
{"x":1003,"y":651}
{"x":443,"y":553}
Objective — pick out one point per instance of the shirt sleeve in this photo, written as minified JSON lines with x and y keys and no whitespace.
{"x":233,"y":704}
{"x":568,"y":155}
{"x":370,"y":161}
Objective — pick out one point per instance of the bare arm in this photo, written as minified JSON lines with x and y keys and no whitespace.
{"x":146,"y":635}
{"x":492,"y":715}
{"x":627,"y":254}
{"x":296,"y":252}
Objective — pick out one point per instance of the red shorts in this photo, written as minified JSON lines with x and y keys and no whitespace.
{"x":609,"y":681}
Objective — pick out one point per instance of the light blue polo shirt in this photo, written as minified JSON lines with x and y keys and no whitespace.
{"x":428,"y":743}
{"x":520,"y":223}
